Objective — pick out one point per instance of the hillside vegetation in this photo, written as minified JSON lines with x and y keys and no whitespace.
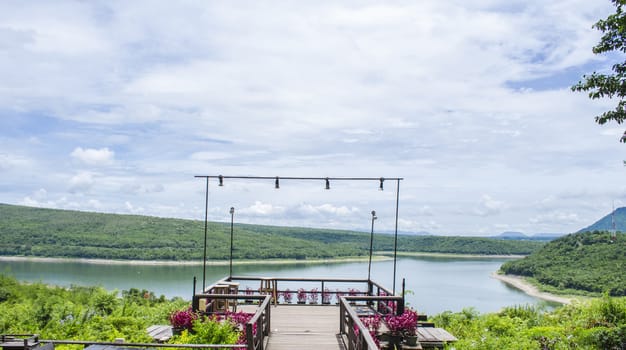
{"x":26,"y":231}
{"x":595,"y":324}
{"x":587,"y":261}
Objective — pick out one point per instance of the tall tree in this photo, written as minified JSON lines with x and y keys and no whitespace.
{"x":612,"y":86}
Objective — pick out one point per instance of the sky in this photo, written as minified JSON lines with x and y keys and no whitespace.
{"x":115,"y":106}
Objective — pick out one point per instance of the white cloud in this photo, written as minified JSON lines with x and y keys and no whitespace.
{"x":326,"y":209}
{"x":556,"y":217}
{"x":351,"y":89}
{"x":12,"y":161}
{"x":489,"y":206}
{"x":133,"y":209}
{"x":262,"y":209}
{"x":81,"y":182}
{"x":90,"y":156}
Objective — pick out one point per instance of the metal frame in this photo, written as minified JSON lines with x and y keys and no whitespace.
{"x":276,"y":180}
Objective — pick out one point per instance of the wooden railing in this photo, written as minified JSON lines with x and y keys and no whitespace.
{"x":259,"y":325}
{"x":260,"y":320}
{"x":322,"y":282}
{"x":358,"y":336}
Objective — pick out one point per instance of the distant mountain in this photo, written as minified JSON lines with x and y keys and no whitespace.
{"x":512,"y":235}
{"x":547,"y":236}
{"x":605,"y":224}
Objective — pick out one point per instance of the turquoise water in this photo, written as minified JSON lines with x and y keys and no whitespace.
{"x":435,"y":284}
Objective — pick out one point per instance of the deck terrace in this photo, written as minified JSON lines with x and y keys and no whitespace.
{"x":306,"y":326}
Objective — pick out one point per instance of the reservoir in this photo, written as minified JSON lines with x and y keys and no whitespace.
{"x":434,"y":284}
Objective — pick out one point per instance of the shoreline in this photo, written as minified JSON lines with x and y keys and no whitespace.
{"x":520,"y":283}
{"x":187,"y":262}
{"x":452,"y":255}
{"x":377,"y":256}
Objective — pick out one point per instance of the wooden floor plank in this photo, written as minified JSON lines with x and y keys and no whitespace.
{"x":304,"y":327}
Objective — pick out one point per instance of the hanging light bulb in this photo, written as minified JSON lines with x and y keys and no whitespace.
{"x":221,"y":180}
{"x":382,"y":179}
{"x":276,"y":183}
{"x":327,"y":184}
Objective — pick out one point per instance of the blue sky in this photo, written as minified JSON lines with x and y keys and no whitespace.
{"x":114,"y":107}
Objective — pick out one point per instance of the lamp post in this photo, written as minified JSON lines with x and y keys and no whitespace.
{"x":206,"y":223}
{"x":369,"y":266}
{"x":232,"y":216}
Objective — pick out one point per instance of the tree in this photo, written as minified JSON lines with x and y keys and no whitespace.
{"x":612,"y":86}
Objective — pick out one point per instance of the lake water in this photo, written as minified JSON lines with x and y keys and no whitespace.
{"x":437,"y":284}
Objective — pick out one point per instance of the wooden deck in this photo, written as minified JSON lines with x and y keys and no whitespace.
{"x":305,"y":327}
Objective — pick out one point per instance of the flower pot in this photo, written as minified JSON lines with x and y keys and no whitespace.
{"x":395,"y":342}
{"x":410,"y":340}
{"x":301,"y":302}
{"x":177,"y":330}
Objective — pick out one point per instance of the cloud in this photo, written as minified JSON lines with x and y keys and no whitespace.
{"x":12,"y":161}
{"x":351,"y":89}
{"x":90,"y":156}
{"x":81,"y":182}
{"x":489,"y":206}
{"x":556,"y":217}
{"x":133,"y":209}
{"x":327,"y":209}
{"x":262,"y":209}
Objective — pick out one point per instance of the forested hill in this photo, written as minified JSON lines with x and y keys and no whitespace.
{"x":606,"y":223}
{"x":585,"y":261}
{"x":26,"y":231}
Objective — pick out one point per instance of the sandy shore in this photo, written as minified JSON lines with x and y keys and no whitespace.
{"x":521,"y":284}
{"x":188,"y":263}
{"x":450,"y":255}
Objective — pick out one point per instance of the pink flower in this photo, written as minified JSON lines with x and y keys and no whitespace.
{"x":183,"y":318}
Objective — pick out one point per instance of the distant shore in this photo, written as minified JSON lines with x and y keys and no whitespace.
{"x":451,"y":255}
{"x":520,"y":283}
{"x":190,"y":263}
{"x":378,"y":256}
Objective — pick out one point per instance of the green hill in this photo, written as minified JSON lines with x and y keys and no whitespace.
{"x":585,"y":261}
{"x":606,"y":223}
{"x":26,"y":231}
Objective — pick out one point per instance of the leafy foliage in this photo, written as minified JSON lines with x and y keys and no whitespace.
{"x":208,"y":331}
{"x":609,"y":85}
{"x":595,"y":324}
{"x":42,"y":232}
{"x":81,"y":313}
{"x":587,"y":261}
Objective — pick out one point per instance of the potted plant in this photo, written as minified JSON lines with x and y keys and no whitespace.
{"x":181,"y":320}
{"x":339,"y":294}
{"x":301,"y":296}
{"x":401,"y":327}
{"x":352,"y":292}
{"x":313,"y":296}
{"x":249,"y":292}
{"x":326,"y":296}
{"x":372,"y":323}
{"x":287,"y":296}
